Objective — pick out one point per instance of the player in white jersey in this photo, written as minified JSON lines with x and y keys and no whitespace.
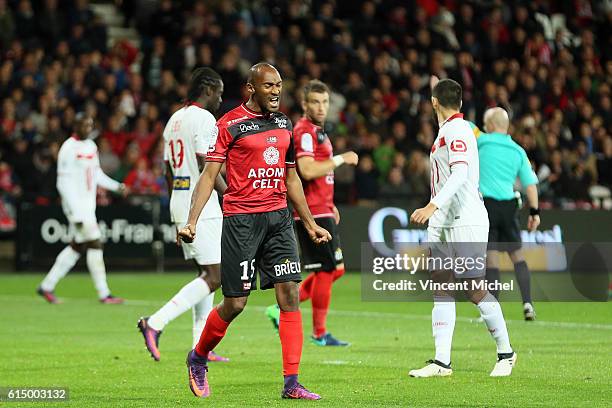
{"x":78,"y":175}
{"x":458,"y":229}
{"x":188,"y":135}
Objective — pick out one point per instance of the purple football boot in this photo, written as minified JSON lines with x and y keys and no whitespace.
{"x":198,"y":380}
{"x":151,"y":337}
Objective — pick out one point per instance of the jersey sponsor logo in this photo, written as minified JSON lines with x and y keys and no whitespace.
{"x":271,"y":155}
{"x":272,"y":140}
{"x":181,"y":183}
{"x":86,"y":156}
{"x":248,"y":127}
{"x":306,"y":142}
{"x":270,"y":177}
{"x":458,"y":146}
{"x":231,"y":122}
{"x":287,"y":268}
{"x":281,"y":122}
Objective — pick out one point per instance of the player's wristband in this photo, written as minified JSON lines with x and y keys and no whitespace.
{"x":534,"y":211}
{"x":338,"y":160}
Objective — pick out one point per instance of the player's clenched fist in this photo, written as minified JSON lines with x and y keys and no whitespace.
{"x":421,"y":215}
{"x":350,"y":158}
{"x":319,"y":235}
{"x":187,"y":233}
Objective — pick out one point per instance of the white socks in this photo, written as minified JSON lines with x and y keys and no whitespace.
{"x":491,"y":313}
{"x":63,"y":264}
{"x":443,"y":324}
{"x":184,"y":300}
{"x":200,"y":314}
{"x":95,"y":264}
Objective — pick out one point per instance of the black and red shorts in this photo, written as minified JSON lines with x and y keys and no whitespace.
{"x":258,"y":244}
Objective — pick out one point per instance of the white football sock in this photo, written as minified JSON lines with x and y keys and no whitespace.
{"x":63,"y":264}
{"x":97,"y":270}
{"x":492,"y":314}
{"x":443,"y":318}
{"x":200,"y":314}
{"x":185,"y":299}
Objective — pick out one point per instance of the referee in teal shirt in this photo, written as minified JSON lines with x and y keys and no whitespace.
{"x":501,"y":162}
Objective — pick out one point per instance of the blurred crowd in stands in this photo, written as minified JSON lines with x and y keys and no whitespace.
{"x":547,"y":62}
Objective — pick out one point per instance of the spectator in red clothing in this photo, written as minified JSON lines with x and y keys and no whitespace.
{"x":141,"y":179}
{"x":115,"y":133}
{"x":143,"y":136}
{"x":539,"y":48}
{"x":7,"y":181}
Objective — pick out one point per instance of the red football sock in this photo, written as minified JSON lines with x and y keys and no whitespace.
{"x":306,"y":287}
{"x":321,"y":296}
{"x":338,"y":273}
{"x":292,"y":339}
{"x":213,"y":332}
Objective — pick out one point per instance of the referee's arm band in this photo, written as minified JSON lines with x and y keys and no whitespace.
{"x":534,"y":211}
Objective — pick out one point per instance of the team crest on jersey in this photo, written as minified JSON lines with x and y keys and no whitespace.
{"x":271,"y":155}
{"x":458,"y":146}
{"x":281,"y":122}
{"x":271,"y":139}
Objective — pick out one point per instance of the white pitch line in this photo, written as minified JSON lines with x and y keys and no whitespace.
{"x":353,"y":313}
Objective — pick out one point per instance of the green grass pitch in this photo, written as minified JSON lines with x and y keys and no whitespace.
{"x":96,"y":351}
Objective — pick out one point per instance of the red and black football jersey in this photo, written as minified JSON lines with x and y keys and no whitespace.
{"x":311,"y":140}
{"x":257,"y":150}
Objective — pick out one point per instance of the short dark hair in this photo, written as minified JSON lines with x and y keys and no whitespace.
{"x":448,"y":93}
{"x":201,"y":78}
{"x":314,"y":86}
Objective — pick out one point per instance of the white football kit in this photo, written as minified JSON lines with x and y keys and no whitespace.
{"x":461,"y":216}
{"x":78,"y":175}
{"x":190,"y":132}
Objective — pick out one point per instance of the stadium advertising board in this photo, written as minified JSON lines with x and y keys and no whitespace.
{"x":131,"y":240}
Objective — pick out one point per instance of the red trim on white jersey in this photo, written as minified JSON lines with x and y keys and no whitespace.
{"x":458,"y":161}
{"x":457,"y":115}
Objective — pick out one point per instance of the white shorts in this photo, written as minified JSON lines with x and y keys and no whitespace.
{"x":206,"y":248}
{"x":466,"y":246}
{"x":88,"y":231}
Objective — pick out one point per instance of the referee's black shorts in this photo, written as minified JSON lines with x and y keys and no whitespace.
{"x":504,"y":228}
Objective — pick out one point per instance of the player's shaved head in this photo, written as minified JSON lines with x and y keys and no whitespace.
{"x":83,"y":125}
{"x":257,"y":72}
{"x":496,"y":120}
{"x":264,"y":84}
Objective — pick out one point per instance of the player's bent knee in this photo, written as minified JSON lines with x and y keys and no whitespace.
{"x":97,"y":244}
{"x":442,"y":294}
{"x":232,"y":307}
{"x":80,"y":248}
{"x":476,"y":296}
{"x":211,"y":275}
{"x":287,"y":296}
